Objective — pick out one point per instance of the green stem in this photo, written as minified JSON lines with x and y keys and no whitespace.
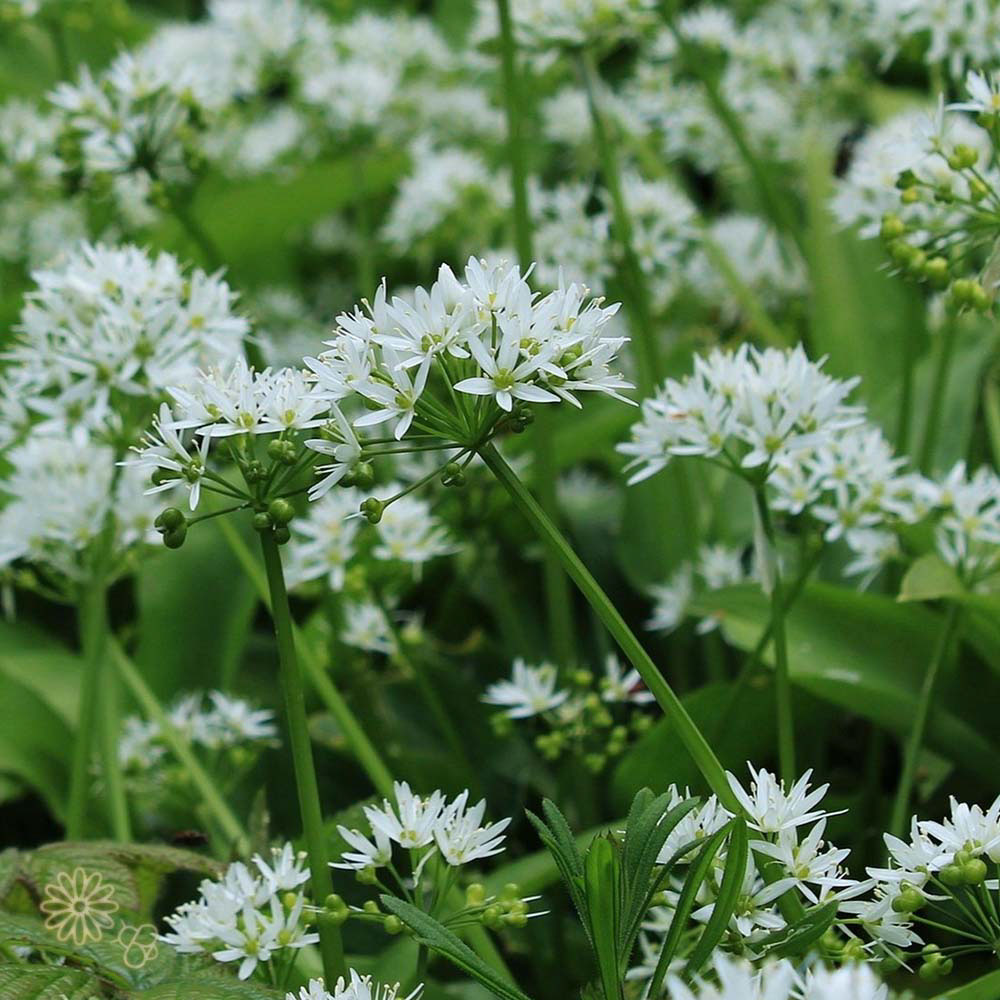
{"x":547,"y":532}
{"x":557,"y":596}
{"x":904,"y":419}
{"x":945,"y":357}
{"x":182,"y":213}
{"x":782,"y":684}
{"x":181,"y":748}
{"x":312,"y":663}
{"x":634,"y":279}
{"x":96,"y":715}
{"x":290,"y":674}
{"x":915,"y":739}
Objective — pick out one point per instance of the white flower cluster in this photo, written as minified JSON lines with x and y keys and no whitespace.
{"x":714,"y":567}
{"x":253,"y":914}
{"x":738,"y":979}
{"x":938,"y":857}
{"x":358,"y":988}
{"x":534,"y":690}
{"x":788,"y":826}
{"x":546,"y":23}
{"x":228,"y":722}
{"x":108,"y":329}
{"x":487,"y":336}
{"x":754,"y":409}
{"x":920,"y":147}
{"x":430,"y":825}
{"x":59,"y":493}
{"x":329,"y":538}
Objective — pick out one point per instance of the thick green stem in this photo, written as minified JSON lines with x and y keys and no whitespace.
{"x":330,"y":944}
{"x":557,"y":596}
{"x":216,"y":805}
{"x":689,"y":733}
{"x":782,"y":683}
{"x":915,"y":738}
{"x":634,"y":279}
{"x":312,"y":663}
{"x":97,"y":716}
{"x":946,"y":355}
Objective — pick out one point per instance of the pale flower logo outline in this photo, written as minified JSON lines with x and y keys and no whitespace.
{"x":79,"y":907}
{"x":138,"y":945}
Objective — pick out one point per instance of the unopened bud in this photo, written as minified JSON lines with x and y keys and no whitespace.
{"x":372,"y":509}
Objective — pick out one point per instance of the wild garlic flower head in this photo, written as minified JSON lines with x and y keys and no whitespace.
{"x":431,"y":824}
{"x":714,"y":567}
{"x":131,"y":119}
{"x":756,"y":409}
{"x":357,"y":987}
{"x":968,"y":532}
{"x":489,"y":336}
{"x":58,"y":493}
{"x":788,"y":831}
{"x":252,"y":914}
{"x":544,"y":23}
{"x":107,"y":330}
{"x":530,"y":691}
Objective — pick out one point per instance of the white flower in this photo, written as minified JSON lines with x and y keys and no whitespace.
{"x":984,"y":94}
{"x":619,"y":686}
{"x":771,"y":808}
{"x":856,"y":981}
{"x":235,"y":720}
{"x":530,"y":691}
{"x":359,"y":988}
{"x":365,"y":854}
{"x":408,"y":532}
{"x":367,"y":627}
{"x":460,"y":835}
{"x":738,"y":980}
{"x":417,"y":817}
{"x":671,"y":600}
{"x":286,"y":871}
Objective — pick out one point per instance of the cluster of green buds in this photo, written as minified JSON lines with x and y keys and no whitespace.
{"x":964,"y":870}
{"x":935,"y":964}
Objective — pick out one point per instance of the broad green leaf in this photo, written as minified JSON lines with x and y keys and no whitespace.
{"x":41,"y":982}
{"x":434,"y":935}
{"x":603,"y":889}
{"x":207,"y":988}
{"x":797,"y":939}
{"x":985,"y":988}
{"x":725,"y":902}
{"x":43,"y":664}
{"x":929,"y":579}
{"x":867,"y":654}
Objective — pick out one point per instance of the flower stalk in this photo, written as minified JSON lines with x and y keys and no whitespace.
{"x":290,"y":675}
{"x":915,"y":738}
{"x":692,"y":737}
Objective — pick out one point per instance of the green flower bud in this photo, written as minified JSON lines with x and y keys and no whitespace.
{"x":282,"y":451}
{"x":175,"y":539}
{"x":952,"y":875}
{"x":392,"y":924}
{"x":915,"y":265}
{"x":288,"y":900}
{"x":929,"y":949}
{"x":515,"y":919}
{"x":491,"y":916}
{"x":901,"y":252}
{"x":475,"y":894}
{"x":965,"y":157}
{"x":161,"y":476}
{"x":582,"y":678}
{"x":977,"y":189}
{"x":371,"y":906}
{"x":594,"y":762}
{"x":974,"y":871}
{"x":363,"y":475}
{"x":906,"y":180}
{"x":936,"y":271}
{"x":945,"y":966}
{"x":892,"y":226}
{"x":170,"y":519}
{"x":255,"y":471}
{"x":908,"y":901}
{"x":281,"y":511}
{"x":372,"y":509}
{"x":334,"y":903}
{"x":281,"y":534}
{"x":453,"y":475}
{"x":510,"y":892}
{"x":928,"y":971}
{"x":910,"y":196}
{"x":262,"y":521}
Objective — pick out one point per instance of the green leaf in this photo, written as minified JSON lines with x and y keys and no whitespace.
{"x":700,"y":868}
{"x":868,"y":654}
{"x":434,"y":935}
{"x":985,"y":988}
{"x":207,"y":988}
{"x":801,"y":936}
{"x":603,"y":889}
{"x":40,"y":982}
{"x":725,"y":901}
{"x":929,"y":579}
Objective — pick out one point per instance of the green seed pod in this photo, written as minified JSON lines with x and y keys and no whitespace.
{"x":255,"y":471}
{"x":475,"y":894}
{"x":952,"y":876}
{"x":333,"y":902}
{"x":262,"y":521}
{"x":288,"y":900}
{"x":281,"y":511}
{"x":170,"y":519}
{"x":974,"y":871}
{"x":161,"y":476}
{"x":510,"y":892}
{"x":281,"y":534}
{"x":936,"y":271}
{"x":371,"y":906}
{"x":892,"y":226}
{"x":175,"y":539}
{"x":452,"y":475}
{"x":372,"y":509}
{"x":392,"y":924}
{"x":364,"y":475}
